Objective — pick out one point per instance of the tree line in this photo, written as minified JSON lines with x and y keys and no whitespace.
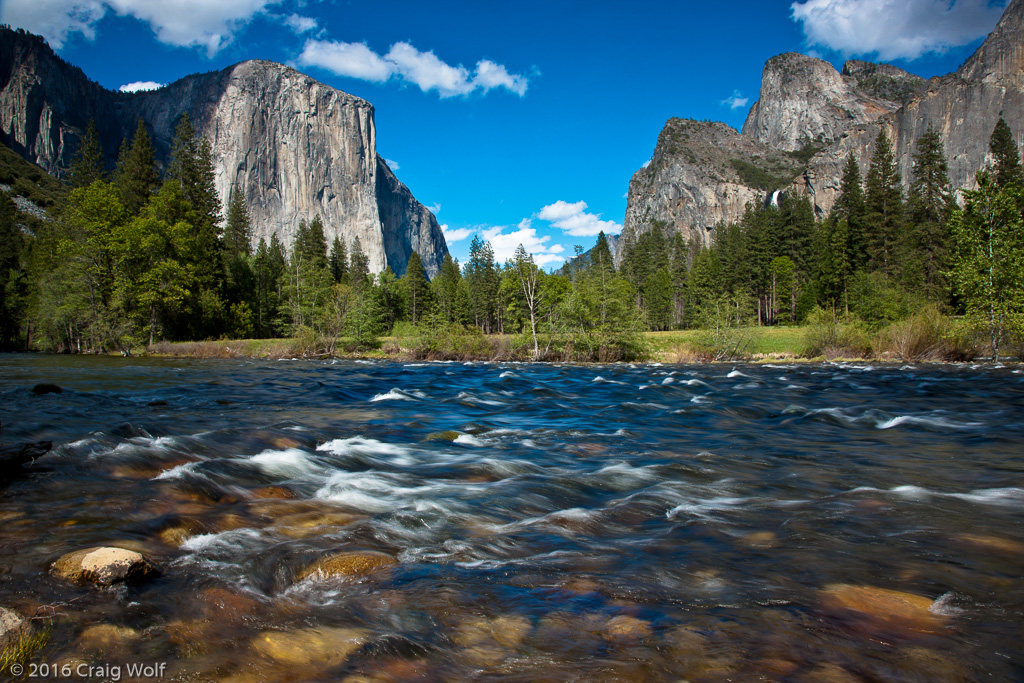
{"x":132,"y":257}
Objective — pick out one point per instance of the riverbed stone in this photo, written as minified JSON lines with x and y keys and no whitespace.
{"x":354,"y":563}
{"x":320,"y":647}
{"x":103,"y":566}
{"x":489,"y":641}
{"x":625,"y":629}
{"x":108,"y":639}
{"x":13,"y":627}
{"x":882,"y":608}
{"x":991,"y":544}
{"x":309,"y":524}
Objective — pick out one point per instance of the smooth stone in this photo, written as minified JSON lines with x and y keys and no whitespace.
{"x":829,"y":673}
{"x":108,"y":638}
{"x":487,"y":642}
{"x":13,"y":627}
{"x":883,"y":608}
{"x":307,"y":524}
{"x":274,"y":492}
{"x":309,"y":646}
{"x":350,"y":563}
{"x":627,"y":629}
{"x":1003,"y":546}
{"x":103,"y":566}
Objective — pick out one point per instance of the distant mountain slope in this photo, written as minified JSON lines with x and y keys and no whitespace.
{"x":810,"y":118}
{"x":294,"y":146}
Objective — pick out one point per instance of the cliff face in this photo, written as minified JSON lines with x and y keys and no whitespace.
{"x":295,"y":147}
{"x":805,"y":100}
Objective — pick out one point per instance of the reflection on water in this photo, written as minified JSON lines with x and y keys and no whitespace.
{"x":387,"y":522}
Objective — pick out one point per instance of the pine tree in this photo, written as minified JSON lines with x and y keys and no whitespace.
{"x":359,"y":264}
{"x":417,"y":289}
{"x":446,"y":291}
{"x":88,"y":166}
{"x":136,"y":176}
{"x":1007,"y":166}
{"x":884,"y":202}
{"x":925,"y":243}
{"x":482,"y":282}
{"x":601,"y":254}
{"x":238,"y":229}
{"x":851,"y":207}
{"x":338,"y":260}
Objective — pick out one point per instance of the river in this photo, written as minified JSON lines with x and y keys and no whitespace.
{"x":812,"y":522}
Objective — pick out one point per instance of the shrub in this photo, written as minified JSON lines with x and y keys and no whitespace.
{"x":827,"y":335}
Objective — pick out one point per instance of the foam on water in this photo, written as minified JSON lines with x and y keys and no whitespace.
{"x":290,"y":463}
{"x":397,"y":394}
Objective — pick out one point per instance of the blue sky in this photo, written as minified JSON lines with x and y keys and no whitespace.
{"x":522,"y":122}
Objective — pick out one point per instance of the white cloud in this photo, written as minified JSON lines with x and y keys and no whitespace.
{"x":184,"y":23}
{"x":456,"y":234}
{"x":403,"y":61}
{"x":393,"y":165}
{"x":435,"y":208}
{"x":893,"y":29}
{"x":490,"y":75}
{"x":505,"y":243}
{"x":354,"y":60}
{"x":300,"y":24}
{"x":736,"y":101}
{"x":646,"y":164}
{"x":573,"y":219}
{"x":138,"y":86}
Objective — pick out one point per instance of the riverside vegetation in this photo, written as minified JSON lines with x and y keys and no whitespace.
{"x":130,"y":260}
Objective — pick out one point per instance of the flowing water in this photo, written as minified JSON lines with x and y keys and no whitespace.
{"x":549,"y":523}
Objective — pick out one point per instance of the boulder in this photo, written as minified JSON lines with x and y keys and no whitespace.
{"x":350,"y":563}
{"x":103,"y":566}
{"x":45,"y":388}
{"x":13,"y":627}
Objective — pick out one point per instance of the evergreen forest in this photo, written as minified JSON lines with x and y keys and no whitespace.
{"x":129,"y":258}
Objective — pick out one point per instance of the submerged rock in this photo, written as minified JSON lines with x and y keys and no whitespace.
{"x":350,"y":563}
{"x":309,"y":646}
{"x":45,"y":388}
{"x":108,"y":639}
{"x":447,"y":435}
{"x":103,"y":566}
{"x":486,"y":642}
{"x":882,"y":609}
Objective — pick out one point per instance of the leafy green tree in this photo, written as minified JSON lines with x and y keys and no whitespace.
{"x":88,"y":166}
{"x":679,"y":269}
{"x":601,"y":254}
{"x":268,"y":267}
{"x":136,"y":176}
{"x":363,"y":318}
{"x":884,"y":202}
{"x":416,"y":289}
{"x":988,"y":259}
{"x":308,"y":292}
{"x":1007,"y":167}
{"x":389,"y":298}
{"x":658,"y":298}
{"x":528,"y":273}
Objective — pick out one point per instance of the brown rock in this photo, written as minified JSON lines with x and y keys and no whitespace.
{"x":350,"y":563}
{"x":108,"y":639}
{"x":881,"y":608}
{"x":307,"y":524}
{"x":278,"y":492}
{"x":309,"y":646}
{"x":13,"y":627}
{"x":992,"y":544}
{"x":486,"y":642}
{"x":627,"y":629}
{"x":103,"y":566}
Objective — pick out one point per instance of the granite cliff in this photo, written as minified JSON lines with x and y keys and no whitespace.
{"x":810,"y":118}
{"x":295,"y":147}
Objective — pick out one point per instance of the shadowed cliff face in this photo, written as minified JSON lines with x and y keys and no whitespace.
{"x":296,"y":147}
{"x":805,"y":100}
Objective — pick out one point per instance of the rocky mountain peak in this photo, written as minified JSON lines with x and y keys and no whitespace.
{"x":294,"y":147}
{"x":1000,"y":59}
{"x":805,"y":101}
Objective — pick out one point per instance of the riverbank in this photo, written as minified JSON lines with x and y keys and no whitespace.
{"x":751,"y":344}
